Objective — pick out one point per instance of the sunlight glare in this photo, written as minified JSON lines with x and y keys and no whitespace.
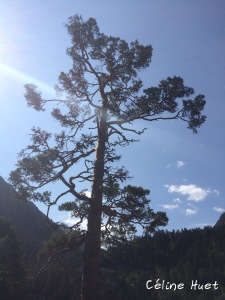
{"x":25,"y":78}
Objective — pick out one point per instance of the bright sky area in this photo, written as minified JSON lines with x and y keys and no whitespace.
{"x":185,"y":172}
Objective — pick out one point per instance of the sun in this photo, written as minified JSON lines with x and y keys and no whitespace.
{"x":15,"y":69}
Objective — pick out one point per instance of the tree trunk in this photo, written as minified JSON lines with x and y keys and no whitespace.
{"x":92,"y":250}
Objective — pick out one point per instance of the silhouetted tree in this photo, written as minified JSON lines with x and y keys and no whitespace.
{"x":99,"y":99}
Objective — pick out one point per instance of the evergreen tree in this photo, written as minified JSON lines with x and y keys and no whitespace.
{"x":99,"y":99}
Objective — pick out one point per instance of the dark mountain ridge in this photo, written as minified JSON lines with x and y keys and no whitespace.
{"x":28,"y":222}
{"x":221,"y":220}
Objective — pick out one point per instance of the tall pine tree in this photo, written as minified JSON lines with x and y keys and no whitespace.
{"x":99,"y":99}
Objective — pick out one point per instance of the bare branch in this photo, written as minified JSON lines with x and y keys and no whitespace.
{"x":132,"y":130}
{"x":56,"y":200}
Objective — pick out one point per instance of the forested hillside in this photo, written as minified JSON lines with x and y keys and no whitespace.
{"x":175,"y":257}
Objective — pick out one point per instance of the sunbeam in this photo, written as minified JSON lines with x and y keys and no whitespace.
{"x":24,"y":78}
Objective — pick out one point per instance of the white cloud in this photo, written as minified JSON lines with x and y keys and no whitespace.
{"x":83,"y":225}
{"x":193,"y":192}
{"x":168,"y":166}
{"x":215,"y":192}
{"x":170,"y":206}
{"x":219,"y":209}
{"x":177,"y":200}
{"x":70,"y":221}
{"x":88,"y":194}
{"x":191,"y":205}
{"x":180,"y":164}
{"x":190,"y":212}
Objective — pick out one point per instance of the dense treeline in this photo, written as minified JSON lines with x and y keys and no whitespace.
{"x":175,"y":257}
{"x":175,"y":253}
{"x":25,"y":276}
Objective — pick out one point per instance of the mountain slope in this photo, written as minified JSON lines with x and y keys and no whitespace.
{"x":28,"y":222}
{"x":221,"y":220}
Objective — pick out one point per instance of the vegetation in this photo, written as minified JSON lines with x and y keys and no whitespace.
{"x":11,"y":269}
{"x":175,"y":257}
{"x":99,"y":99}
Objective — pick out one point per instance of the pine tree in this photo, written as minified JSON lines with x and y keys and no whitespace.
{"x":99,"y":100}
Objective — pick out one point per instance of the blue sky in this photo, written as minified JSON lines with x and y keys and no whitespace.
{"x":184,"y":172}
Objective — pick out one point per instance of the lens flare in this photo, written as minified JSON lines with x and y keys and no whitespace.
{"x":17,"y":75}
